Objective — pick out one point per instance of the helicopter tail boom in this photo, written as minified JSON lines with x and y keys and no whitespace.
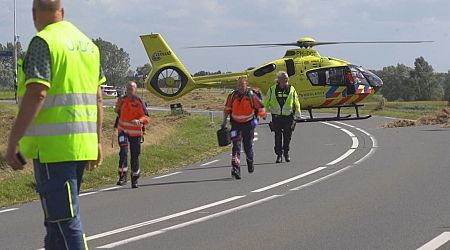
{"x":168,"y":79}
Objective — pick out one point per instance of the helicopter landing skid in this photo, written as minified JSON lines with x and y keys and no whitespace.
{"x":327,"y":119}
{"x":338,"y":116}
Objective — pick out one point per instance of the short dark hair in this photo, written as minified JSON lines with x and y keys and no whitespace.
{"x":47,"y":5}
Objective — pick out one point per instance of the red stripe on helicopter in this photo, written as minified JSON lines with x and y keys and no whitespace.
{"x":343,"y":101}
{"x":326,"y":103}
{"x":361,"y":97}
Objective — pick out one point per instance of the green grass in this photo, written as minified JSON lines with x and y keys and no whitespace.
{"x":6,"y":94}
{"x":194,"y":140}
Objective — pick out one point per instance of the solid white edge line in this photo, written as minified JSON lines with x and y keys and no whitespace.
{"x":349,"y":152}
{"x":332,"y":125}
{"x":86,"y":194}
{"x":436,"y":242}
{"x":188,"y":223}
{"x":142,"y":224}
{"x":321,"y":179}
{"x":211,"y":162}
{"x":348,"y":125}
{"x":348,"y":132}
{"x":8,"y":210}
{"x":288,"y":180}
{"x":355,"y":143}
{"x":167,"y":175}
{"x":371,"y":152}
{"x":107,"y":189}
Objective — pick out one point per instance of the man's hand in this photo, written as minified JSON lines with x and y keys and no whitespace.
{"x":136,"y":122}
{"x":95,"y":163}
{"x":12,"y":159}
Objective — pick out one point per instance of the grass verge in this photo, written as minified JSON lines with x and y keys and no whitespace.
{"x":191,"y":140}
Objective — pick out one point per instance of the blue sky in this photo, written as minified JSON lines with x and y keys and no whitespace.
{"x":203,"y":22}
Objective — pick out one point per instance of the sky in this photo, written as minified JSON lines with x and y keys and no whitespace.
{"x":214,"y":22}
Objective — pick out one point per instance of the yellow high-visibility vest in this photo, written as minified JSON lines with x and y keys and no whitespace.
{"x":66,"y":127}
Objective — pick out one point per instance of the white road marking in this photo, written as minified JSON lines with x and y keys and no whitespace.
{"x":332,"y":125}
{"x":8,"y":210}
{"x":188,"y":223}
{"x":95,"y":192}
{"x":371,"y":152}
{"x":167,"y":175}
{"x":86,"y":194}
{"x":342,"y":157}
{"x":321,"y":179}
{"x":208,"y":163}
{"x":168,"y":217}
{"x":348,"y":125}
{"x":255,"y":139}
{"x":436,"y":242}
{"x":255,"y":133}
{"x":288,"y":180}
{"x":355,"y":143}
{"x":348,"y":132}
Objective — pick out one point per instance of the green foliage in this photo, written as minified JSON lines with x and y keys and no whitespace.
{"x":115,"y":62}
{"x":7,"y":65}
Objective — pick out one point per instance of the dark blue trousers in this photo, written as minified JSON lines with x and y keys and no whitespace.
{"x":241,"y":132}
{"x":134,"y":142}
{"x":58,"y":185}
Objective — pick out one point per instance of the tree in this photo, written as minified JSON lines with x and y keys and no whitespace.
{"x":447,"y":87}
{"x":396,"y":83}
{"x":425,"y":82}
{"x":7,"y":65}
{"x":115,"y":62}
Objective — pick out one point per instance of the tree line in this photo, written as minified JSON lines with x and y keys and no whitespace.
{"x":401,"y":83}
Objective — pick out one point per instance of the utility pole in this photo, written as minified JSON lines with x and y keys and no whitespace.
{"x":15,"y":54}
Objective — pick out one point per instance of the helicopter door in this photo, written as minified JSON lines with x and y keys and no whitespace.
{"x":290,"y":67}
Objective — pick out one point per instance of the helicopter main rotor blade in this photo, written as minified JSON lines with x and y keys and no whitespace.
{"x":303,"y":44}
{"x":243,"y":45}
{"x":366,"y":42}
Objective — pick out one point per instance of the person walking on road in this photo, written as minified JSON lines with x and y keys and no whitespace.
{"x":244,"y":108}
{"x":133,"y":116}
{"x":59,"y":122}
{"x":282,"y":101}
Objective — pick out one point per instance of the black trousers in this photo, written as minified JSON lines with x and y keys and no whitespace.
{"x":282,"y":126}
{"x":134,"y":142}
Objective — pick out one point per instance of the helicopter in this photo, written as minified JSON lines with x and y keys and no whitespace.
{"x":321,"y":82}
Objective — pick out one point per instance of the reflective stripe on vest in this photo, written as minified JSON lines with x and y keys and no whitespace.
{"x":68,"y":128}
{"x":273,"y":105}
{"x":65,"y":129}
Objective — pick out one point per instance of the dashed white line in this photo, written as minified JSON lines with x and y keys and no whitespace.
{"x":208,"y":163}
{"x":8,"y":210}
{"x":188,"y":223}
{"x":168,"y":217}
{"x":167,"y":175}
{"x":288,"y":180}
{"x":255,"y":139}
{"x":436,"y":242}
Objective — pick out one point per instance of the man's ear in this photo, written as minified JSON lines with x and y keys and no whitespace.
{"x":62,"y":13}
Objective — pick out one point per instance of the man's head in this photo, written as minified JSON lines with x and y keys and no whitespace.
{"x":46,"y":12}
{"x":242,"y":84}
{"x":131,"y":89}
{"x":283,"y":78}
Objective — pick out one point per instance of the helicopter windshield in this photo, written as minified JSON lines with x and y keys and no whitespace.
{"x":364,"y":76}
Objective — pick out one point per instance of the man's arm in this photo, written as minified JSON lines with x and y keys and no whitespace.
{"x":32,"y":102}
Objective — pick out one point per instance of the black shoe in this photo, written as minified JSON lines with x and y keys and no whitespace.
{"x":122,"y":180}
{"x":134,"y":182}
{"x":287,"y":158}
{"x":250,"y":166}
{"x":279,"y":159}
{"x":236,"y":173}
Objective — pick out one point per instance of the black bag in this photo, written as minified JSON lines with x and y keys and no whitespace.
{"x":223,"y":137}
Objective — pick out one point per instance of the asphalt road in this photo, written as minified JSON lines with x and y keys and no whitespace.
{"x":351,"y":185}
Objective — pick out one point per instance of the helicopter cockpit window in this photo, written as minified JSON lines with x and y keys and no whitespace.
{"x":372,"y":79}
{"x":264,"y":70}
{"x":328,"y":76}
